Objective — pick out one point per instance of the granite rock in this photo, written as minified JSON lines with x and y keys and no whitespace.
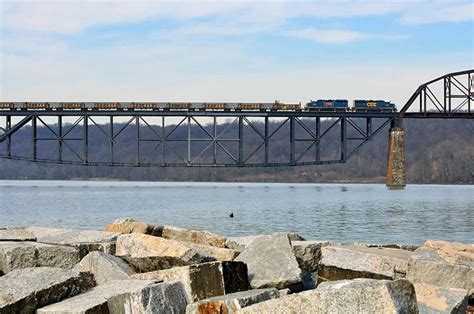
{"x":218,"y":253}
{"x":239,"y":243}
{"x":205,"y":280}
{"x":232,"y":303}
{"x":194,"y":236}
{"x":345,"y":296}
{"x":25,"y":290}
{"x":271,"y":263}
{"x":308,"y":254}
{"x":443,"y":264}
{"x":148,"y":253}
{"x":24,"y":254}
{"x":129,"y":225}
{"x":105,"y":267}
{"x":86,"y":240}
{"x":434,"y":299}
{"x":157,"y":298}
{"x":284,"y":292}
{"x":16,"y":234}
{"x":354,"y":261}
{"x":407,"y":247}
{"x":95,"y":300}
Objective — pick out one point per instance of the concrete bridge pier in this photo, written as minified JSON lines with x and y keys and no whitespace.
{"x":396,"y":176}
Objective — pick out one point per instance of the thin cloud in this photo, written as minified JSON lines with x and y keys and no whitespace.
{"x":439,"y":12}
{"x":213,"y":30}
{"x":70,"y":17}
{"x":331,"y":36}
{"x":337,"y":36}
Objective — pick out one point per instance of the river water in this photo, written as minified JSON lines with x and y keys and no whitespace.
{"x":337,"y":212}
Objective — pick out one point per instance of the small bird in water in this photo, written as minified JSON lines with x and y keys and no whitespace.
{"x":231,"y":215}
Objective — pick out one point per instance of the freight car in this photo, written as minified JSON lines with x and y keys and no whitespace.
{"x":328,"y":105}
{"x":34,"y":105}
{"x":141,"y":105}
{"x":7,"y":105}
{"x":69,"y":105}
{"x":278,"y":106}
{"x":373,"y":105}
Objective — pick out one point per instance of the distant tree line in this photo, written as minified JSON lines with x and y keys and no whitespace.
{"x":437,"y":151}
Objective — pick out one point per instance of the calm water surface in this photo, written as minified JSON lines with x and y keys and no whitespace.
{"x":346,"y":213}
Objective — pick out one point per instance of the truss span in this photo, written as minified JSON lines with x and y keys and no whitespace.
{"x":188,"y":139}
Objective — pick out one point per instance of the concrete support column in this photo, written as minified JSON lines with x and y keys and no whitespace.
{"x":396,"y":176}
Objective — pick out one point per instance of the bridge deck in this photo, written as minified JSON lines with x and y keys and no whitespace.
{"x":201,"y":113}
{"x":247,"y":113}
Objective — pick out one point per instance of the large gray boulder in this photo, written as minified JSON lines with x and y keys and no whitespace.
{"x":16,"y":234}
{"x":345,"y":296}
{"x":96,"y":299}
{"x":205,"y":280}
{"x":271,"y":263}
{"x":433,"y":299}
{"x":25,"y":290}
{"x":443,"y":264}
{"x":129,"y":225}
{"x":354,"y":261}
{"x":149,"y":253}
{"x":308,"y":254}
{"x":105,"y":267}
{"x":232,"y":303}
{"x":16,"y":254}
{"x":239,"y":243}
{"x":194,"y":236}
{"x":86,"y":240}
{"x":158,"y":298}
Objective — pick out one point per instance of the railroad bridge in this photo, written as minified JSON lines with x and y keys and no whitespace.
{"x":206,"y":137}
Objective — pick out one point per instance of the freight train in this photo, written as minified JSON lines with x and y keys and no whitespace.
{"x":318,"y":105}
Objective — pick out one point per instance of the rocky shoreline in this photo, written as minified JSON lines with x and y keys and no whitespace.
{"x":135,"y":267}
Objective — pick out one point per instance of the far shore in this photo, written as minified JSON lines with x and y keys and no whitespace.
{"x":375,"y":182}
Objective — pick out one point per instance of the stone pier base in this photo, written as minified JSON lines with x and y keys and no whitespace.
{"x":396,"y":177}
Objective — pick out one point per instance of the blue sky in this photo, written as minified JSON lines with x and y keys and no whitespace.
{"x":228,"y":50}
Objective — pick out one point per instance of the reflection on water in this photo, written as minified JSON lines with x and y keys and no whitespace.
{"x":346,"y":213}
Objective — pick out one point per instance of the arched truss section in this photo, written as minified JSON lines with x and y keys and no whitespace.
{"x":448,"y":96}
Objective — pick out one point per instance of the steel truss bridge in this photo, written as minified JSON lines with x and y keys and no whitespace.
{"x":188,"y":138}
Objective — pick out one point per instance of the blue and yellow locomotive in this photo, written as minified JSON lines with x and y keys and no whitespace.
{"x":357,"y":105}
{"x":373,"y":105}
{"x":328,"y":105}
